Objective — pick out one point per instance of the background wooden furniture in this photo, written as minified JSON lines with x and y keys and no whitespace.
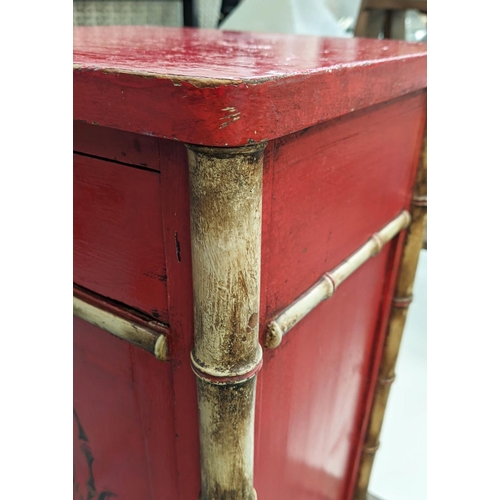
{"x":385,"y":17}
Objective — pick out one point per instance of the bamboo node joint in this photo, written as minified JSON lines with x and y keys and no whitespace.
{"x":331,"y":281}
{"x":378,"y":244}
{"x":387,"y":381}
{"x":402,"y":302}
{"x":371,"y":450}
{"x":419,"y":201}
{"x":217,"y":377}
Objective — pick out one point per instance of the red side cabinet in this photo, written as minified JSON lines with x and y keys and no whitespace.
{"x":248,"y":211}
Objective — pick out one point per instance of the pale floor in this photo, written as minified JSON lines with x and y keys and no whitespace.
{"x":399,"y":472}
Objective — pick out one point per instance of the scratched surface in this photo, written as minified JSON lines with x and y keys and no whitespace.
{"x":220,"y":88}
{"x":226,"y":55}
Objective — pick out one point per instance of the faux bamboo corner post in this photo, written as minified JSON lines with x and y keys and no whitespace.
{"x":226,"y":220}
{"x":401,"y":301}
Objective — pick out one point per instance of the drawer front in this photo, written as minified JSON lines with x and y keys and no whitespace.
{"x":118,"y":247}
{"x":117,"y":145}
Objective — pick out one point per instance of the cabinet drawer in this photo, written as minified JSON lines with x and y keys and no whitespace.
{"x":117,"y":145}
{"x":118,"y":244}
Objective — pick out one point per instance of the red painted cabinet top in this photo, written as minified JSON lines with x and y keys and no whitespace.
{"x":343,"y":120}
{"x":221,"y":88}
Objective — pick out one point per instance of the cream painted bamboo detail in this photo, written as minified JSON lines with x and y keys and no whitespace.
{"x":226,"y":220}
{"x":123,"y":328}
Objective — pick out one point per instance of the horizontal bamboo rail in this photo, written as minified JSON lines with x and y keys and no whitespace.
{"x":331,"y":280}
{"x":124,"y":329}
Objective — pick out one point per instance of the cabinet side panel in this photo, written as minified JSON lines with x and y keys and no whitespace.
{"x":311,"y":387}
{"x":333,"y":186}
{"x":364,"y":412}
{"x":123,"y":419}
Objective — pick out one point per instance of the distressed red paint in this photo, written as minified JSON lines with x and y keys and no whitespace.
{"x":345,"y":122}
{"x":221,"y":88}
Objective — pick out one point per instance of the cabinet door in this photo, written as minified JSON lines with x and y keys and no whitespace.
{"x":123,"y":440}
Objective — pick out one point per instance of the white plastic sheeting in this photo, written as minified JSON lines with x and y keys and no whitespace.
{"x":312,"y":17}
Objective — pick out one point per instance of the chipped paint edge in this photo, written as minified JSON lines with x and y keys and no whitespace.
{"x":206,"y":82}
{"x":198,"y":82}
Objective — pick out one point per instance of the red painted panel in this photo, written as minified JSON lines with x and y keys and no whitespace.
{"x":333,"y":186}
{"x":123,"y":421}
{"x":176,"y":230}
{"x":227,"y":89}
{"x":125,"y":147}
{"x":179,"y":389}
{"x":118,"y":242}
{"x":326,"y":190}
{"x":309,"y":393}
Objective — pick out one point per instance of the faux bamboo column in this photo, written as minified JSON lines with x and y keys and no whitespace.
{"x":226,"y":216}
{"x":401,"y":301}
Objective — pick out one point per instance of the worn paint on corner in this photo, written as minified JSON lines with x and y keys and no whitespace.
{"x":226,"y":219}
